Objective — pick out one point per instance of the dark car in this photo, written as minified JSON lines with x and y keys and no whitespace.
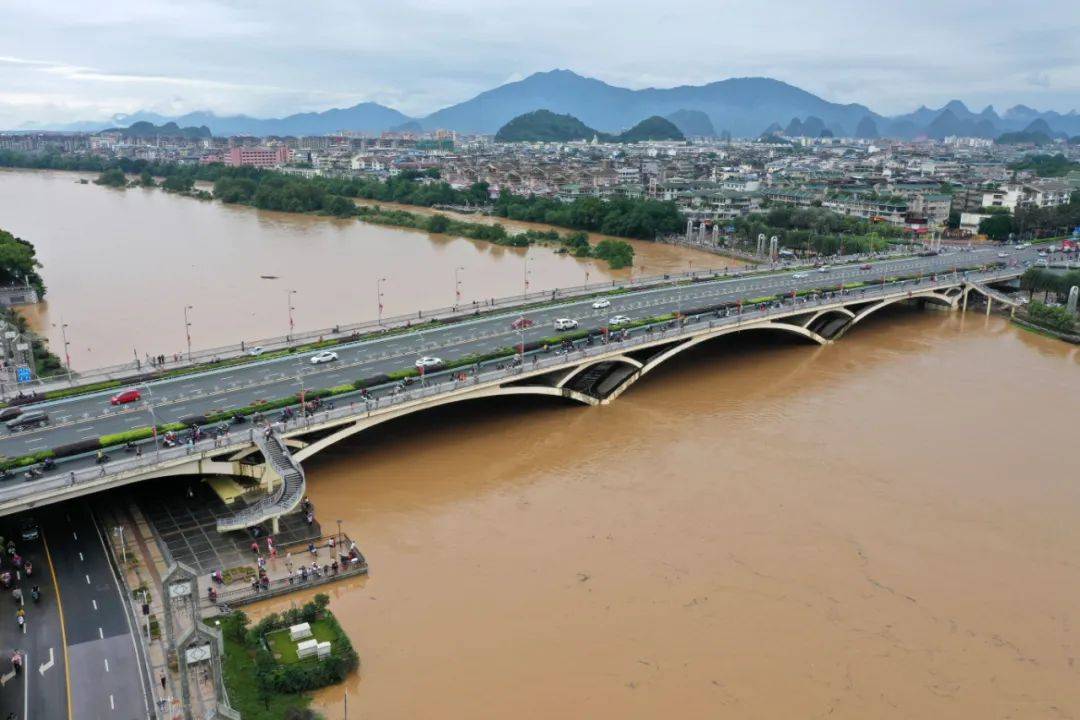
{"x":10,"y":413}
{"x":28,"y":529}
{"x":34,"y":418}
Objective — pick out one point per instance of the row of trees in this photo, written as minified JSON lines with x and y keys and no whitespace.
{"x":823,"y":231}
{"x":1048,"y":281}
{"x":625,"y":217}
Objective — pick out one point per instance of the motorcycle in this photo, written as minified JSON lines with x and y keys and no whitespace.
{"x":35,"y":594}
{"x":33,"y":474}
{"x":48,"y":464}
{"x":101,"y":459}
{"x":239,"y":419}
{"x":129,"y":447}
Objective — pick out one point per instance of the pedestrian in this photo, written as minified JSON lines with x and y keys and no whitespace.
{"x":255,"y":546}
{"x":163,"y":681}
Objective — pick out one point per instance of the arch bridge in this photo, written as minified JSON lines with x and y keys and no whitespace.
{"x":589,"y":374}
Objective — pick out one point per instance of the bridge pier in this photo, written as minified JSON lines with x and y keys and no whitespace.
{"x":989,"y":304}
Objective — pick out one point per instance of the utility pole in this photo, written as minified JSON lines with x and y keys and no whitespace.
{"x":457,"y":285}
{"x":67,"y":353}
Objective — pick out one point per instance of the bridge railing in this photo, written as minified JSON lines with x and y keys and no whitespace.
{"x":389,"y":395}
{"x":60,"y":483}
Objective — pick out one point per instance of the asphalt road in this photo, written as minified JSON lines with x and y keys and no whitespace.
{"x":91,"y":416}
{"x":106,"y":679}
{"x":40,"y":690}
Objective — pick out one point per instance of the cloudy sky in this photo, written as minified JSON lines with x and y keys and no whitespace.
{"x":66,"y":60}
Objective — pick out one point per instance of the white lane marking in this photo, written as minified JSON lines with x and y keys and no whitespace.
{"x":112,"y":706}
{"x":5,"y":677}
{"x":81,"y":558}
{"x":94,"y":603}
{"x":106,"y":664}
{"x":87,"y":579}
{"x":46,"y":665}
{"x":74,"y":535}
{"x":101,"y":633}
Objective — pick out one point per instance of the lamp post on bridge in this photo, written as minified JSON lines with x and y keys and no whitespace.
{"x":187,"y":329}
{"x":289,"y":298}
{"x":379,"y":297}
{"x":457,"y":285}
{"x":67,"y":354}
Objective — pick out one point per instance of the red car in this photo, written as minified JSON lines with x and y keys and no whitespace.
{"x":128,"y":396}
{"x":867,"y":266}
{"x":521,"y":323}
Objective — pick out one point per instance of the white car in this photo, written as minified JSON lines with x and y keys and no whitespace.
{"x":427,"y":362}
{"x":799,"y":276}
{"x":618,"y":320}
{"x":601,"y":303}
{"x":1003,"y":255}
{"x":256,"y":351}
{"x":824,"y":268}
{"x":324,"y":357}
{"x":565,"y":324}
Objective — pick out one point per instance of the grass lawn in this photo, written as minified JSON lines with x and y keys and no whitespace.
{"x":244,"y":694}
{"x":284,"y":649}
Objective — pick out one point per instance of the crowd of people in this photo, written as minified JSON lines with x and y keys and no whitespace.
{"x":325,"y":558}
{"x":16,"y":573}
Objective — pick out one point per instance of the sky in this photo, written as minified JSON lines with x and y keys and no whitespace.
{"x":68,"y":60}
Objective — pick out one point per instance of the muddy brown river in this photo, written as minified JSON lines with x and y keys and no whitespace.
{"x":886,"y":527}
{"x":120,"y":265}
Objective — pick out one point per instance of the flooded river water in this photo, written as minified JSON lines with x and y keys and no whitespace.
{"x":886,"y":527}
{"x":120,"y":265}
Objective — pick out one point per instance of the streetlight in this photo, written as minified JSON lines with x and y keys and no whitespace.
{"x":525,"y":274}
{"x":288,"y":296}
{"x":457,"y":285}
{"x":339,"y":535}
{"x":379,"y":296}
{"x":67,"y":354}
{"x":153,"y":416}
{"x":187,"y":329}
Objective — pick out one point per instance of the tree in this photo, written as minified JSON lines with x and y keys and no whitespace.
{"x":18,"y":263}
{"x":997,"y":227}
{"x":113,"y":177}
{"x":438,"y":224}
{"x":146,"y":179}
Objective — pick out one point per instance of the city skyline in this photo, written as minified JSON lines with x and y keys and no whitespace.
{"x":267,"y":61}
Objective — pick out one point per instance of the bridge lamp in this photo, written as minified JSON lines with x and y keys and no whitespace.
{"x":289,"y":297}
{"x":187,"y":329}
{"x":67,"y":354}
{"x":457,"y":285}
{"x":379,"y":296}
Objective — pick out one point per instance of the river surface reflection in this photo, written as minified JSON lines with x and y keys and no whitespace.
{"x":886,"y":527}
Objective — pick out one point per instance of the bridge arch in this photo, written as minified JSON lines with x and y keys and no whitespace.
{"x":574,"y":372}
{"x":948,"y":300}
{"x":353,"y":427}
{"x":666,"y":355}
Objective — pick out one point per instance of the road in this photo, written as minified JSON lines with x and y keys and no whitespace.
{"x":106,"y":678}
{"x":91,"y":416}
{"x":40,"y":690}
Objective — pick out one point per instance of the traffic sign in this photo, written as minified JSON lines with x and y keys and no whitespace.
{"x":22,"y":374}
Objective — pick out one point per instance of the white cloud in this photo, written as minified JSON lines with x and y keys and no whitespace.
{"x":273,"y":57}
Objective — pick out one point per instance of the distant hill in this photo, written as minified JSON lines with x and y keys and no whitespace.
{"x":693,"y":123}
{"x":145,"y":129}
{"x":652,"y":128}
{"x":867,"y":129}
{"x":546,"y":126}
{"x":1023,"y":137}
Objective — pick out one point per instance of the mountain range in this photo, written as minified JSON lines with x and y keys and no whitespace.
{"x":743,"y":107}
